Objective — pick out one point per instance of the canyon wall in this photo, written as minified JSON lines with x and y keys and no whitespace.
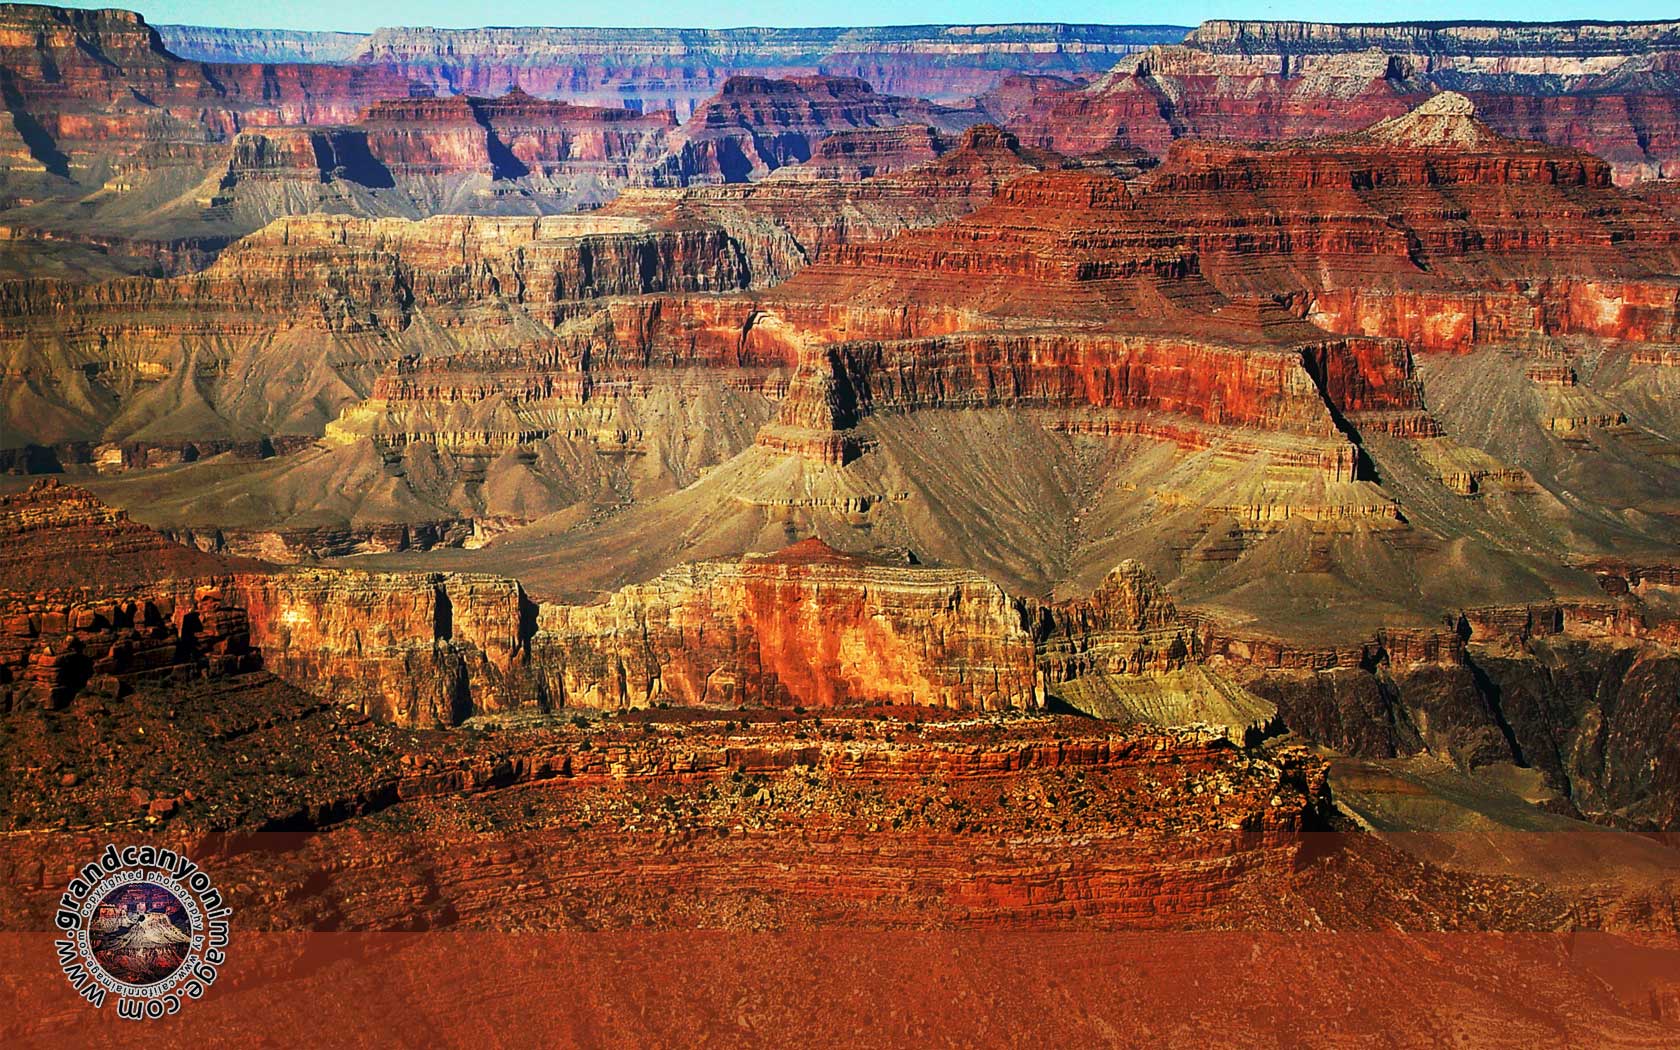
{"x":1251,"y":299}
{"x":266,"y":46}
{"x":678,"y":68}
{"x":807,"y":627}
{"x":1601,"y":87}
{"x":1573,"y":690}
{"x":755,"y":125}
{"x":124,"y":157}
{"x":1444,"y":40}
{"x":354,"y":283}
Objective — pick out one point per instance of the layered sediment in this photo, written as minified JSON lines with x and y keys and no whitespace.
{"x":1242,"y":298}
{"x":755,"y":125}
{"x":812,"y":629}
{"x":678,"y":69}
{"x":867,"y":518}
{"x":807,"y":627}
{"x":126,"y":157}
{"x":1600,"y":87}
{"x":358,"y":284}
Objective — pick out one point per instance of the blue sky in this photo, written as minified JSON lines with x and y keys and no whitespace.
{"x":338,"y":14}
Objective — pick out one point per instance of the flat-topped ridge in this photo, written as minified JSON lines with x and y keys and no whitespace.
{"x":1560,"y":39}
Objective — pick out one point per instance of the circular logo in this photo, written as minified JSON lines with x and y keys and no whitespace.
{"x":143,"y":925}
{"x":140,"y":933}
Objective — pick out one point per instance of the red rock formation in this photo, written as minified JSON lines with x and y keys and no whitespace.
{"x":1175,"y":390}
{"x":60,"y":538}
{"x":813,"y":628}
{"x":1190,"y":305}
{"x":1077,"y":251}
{"x":806,"y":627}
{"x":1603,"y":89}
{"x":355,"y":283}
{"x":87,"y":85}
{"x":170,"y":160}
{"x":514,"y":136}
{"x":1049,"y":245}
{"x":817,"y":213}
{"x":1169,"y":93}
{"x":850,"y":156}
{"x":1636,"y":130}
{"x":756,"y":125}
{"x":1536,"y":238}
{"x":54,"y":647}
{"x":361,"y":284}
{"x":415,"y":649}
{"x":1108,"y":827}
{"x":80,"y":605}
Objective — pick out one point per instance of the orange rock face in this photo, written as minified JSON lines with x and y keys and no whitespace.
{"x":807,"y":627}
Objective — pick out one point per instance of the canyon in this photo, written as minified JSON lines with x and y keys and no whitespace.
{"x":1195,"y":322}
{"x":1214,"y":487}
{"x":127,"y":156}
{"x":1602,"y":87}
{"x":678,"y":69}
{"x":878,"y":818}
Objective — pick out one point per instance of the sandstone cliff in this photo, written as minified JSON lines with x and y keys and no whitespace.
{"x":807,"y":627}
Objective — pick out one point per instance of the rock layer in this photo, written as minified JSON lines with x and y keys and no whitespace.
{"x":810,"y":628}
{"x":678,"y":68}
{"x":1601,"y":87}
{"x":807,"y":627}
